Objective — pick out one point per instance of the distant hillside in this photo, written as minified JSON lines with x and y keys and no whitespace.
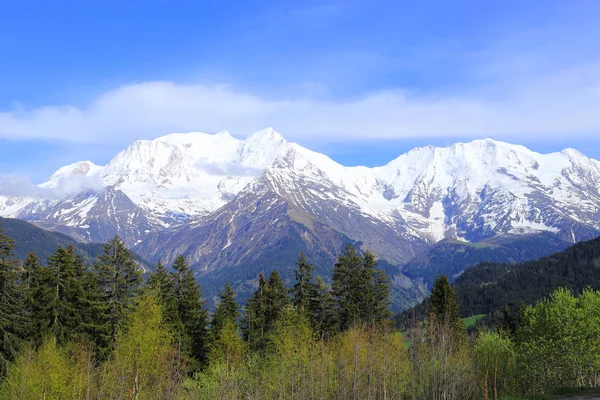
{"x":452,"y":257}
{"x":43,"y":243}
{"x":488,"y":287}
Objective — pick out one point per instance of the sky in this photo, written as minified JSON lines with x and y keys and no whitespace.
{"x":360,"y":80}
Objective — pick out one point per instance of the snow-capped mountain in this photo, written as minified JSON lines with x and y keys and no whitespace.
{"x":224,"y":202}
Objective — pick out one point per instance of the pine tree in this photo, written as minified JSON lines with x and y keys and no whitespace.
{"x":443,"y":309}
{"x":304,"y":286}
{"x":119,"y":275}
{"x":13,"y":322}
{"x":193,"y":318}
{"x":322,"y":313}
{"x":227,"y":311}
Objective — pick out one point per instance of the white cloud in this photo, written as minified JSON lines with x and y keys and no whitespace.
{"x":21,"y":186}
{"x":547,"y":107}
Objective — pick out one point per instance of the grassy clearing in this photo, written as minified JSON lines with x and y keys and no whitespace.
{"x":472,"y":320}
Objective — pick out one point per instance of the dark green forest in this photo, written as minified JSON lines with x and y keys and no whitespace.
{"x":95,"y":328}
{"x":489,"y":288}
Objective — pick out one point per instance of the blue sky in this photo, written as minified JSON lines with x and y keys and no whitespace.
{"x":361,"y":80}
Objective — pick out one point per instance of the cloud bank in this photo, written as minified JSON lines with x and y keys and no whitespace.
{"x":21,"y":186}
{"x":546,"y":107}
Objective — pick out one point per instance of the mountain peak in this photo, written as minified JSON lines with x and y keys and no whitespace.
{"x":80,"y":168}
{"x":267,"y":134}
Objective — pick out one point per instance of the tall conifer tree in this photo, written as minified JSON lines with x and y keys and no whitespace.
{"x":13,"y":322}
{"x":276,"y":300}
{"x":227,"y":311}
{"x":443,"y":311}
{"x":322,"y":316}
{"x":254,"y":324}
{"x":192,"y":315}
{"x":305,"y":285}
{"x":30,"y":266}
{"x":361,"y":291}
{"x":263,"y":309}
{"x":120,"y":277}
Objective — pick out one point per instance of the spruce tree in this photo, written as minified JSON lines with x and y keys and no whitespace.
{"x":13,"y":322}
{"x":276,"y":299}
{"x":263,"y":309}
{"x":227,"y":311}
{"x":30,"y":266}
{"x":64,"y":308}
{"x":159,"y":281}
{"x":254,"y":323}
{"x":305,"y":286}
{"x":375,"y":308}
{"x":361,"y":291}
{"x":348,"y":288}
{"x":322,"y":313}
{"x":120,"y":277}
{"x":193,"y":318}
{"x":443,"y":311}
{"x":94,"y":323}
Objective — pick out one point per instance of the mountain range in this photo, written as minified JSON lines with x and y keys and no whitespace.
{"x":235,"y":207}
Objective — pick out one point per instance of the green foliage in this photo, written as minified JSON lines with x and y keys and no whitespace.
{"x":305,"y":286}
{"x":360,"y":290}
{"x":30,"y":238}
{"x":13,"y":321}
{"x":443,"y":309}
{"x":496,"y":362}
{"x":323,"y":344}
{"x":30,"y":267}
{"x":50,"y":372}
{"x":159,"y":282}
{"x":322,"y":316}
{"x":145,"y":363}
{"x":254,"y":325}
{"x":191,"y":328}
{"x":61,"y":303}
{"x":119,"y":276}
{"x":264,"y":309}
{"x":488,"y":287}
{"x":227,"y":311}
{"x":560,"y":342}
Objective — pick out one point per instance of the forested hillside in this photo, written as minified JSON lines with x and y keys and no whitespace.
{"x":452,"y":257}
{"x":489,"y":287}
{"x":43,"y":243}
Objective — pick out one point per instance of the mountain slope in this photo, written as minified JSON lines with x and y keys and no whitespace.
{"x":43,"y":243}
{"x":452,"y":257}
{"x":226,"y":203}
{"x":470,"y":191}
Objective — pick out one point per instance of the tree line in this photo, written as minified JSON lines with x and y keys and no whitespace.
{"x":70,"y":330}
